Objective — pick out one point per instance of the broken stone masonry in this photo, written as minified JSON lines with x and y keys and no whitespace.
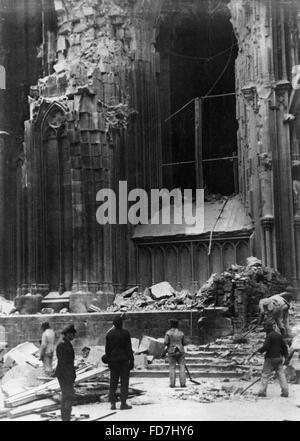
{"x":99,"y":99}
{"x":237,"y":290}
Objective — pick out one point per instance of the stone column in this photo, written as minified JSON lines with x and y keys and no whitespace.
{"x":267,"y":225}
{"x":282,"y":182}
{"x":4,"y":139}
{"x":297,"y":243}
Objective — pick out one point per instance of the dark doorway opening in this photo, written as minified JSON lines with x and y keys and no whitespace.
{"x":198,"y":51}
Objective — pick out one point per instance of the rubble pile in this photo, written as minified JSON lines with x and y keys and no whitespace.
{"x":253,"y":281}
{"x":148,"y":301}
{"x":26,"y":391}
{"x":239,"y":289}
{"x":214,"y":391}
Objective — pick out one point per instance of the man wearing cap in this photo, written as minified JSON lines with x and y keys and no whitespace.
{"x":276,"y":308}
{"x":275,"y":351}
{"x":47,"y":348}
{"x":174,"y":346}
{"x":65,"y":371}
{"x":118,"y":351}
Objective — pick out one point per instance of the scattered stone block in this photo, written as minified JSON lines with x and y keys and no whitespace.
{"x":150,"y":359}
{"x":29,"y":304}
{"x":128,"y":293}
{"x":6,"y":306}
{"x":95,"y":356}
{"x":162,"y":290}
{"x":21,"y":356}
{"x":152,"y":346}
{"x":135,"y":344}
{"x":80,"y":302}
{"x":140,"y":361}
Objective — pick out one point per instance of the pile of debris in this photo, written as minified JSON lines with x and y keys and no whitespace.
{"x":252,"y":281}
{"x":214,"y":391}
{"x":26,"y":391}
{"x":161,"y":296}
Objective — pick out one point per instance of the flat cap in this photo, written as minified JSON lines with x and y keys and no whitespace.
{"x":69,"y":329}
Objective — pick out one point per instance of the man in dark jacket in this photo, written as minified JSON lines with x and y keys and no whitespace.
{"x":120,"y":359}
{"x":275,"y":349}
{"x":65,"y":371}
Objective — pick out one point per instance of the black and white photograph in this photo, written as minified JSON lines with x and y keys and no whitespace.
{"x":149,"y":213}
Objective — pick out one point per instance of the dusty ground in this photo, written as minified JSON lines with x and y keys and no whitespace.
{"x":164,"y":405}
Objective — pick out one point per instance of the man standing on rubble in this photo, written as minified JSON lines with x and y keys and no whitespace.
{"x":65,"y":371}
{"x":119,"y":355}
{"x":174,"y":346}
{"x":276,"y":308}
{"x":47,"y":348}
{"x":275,"y":350}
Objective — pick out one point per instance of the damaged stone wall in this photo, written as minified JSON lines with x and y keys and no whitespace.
{"x":268,"y":42}
{"x":91,"y":328}
{"x":87,"y":131}
{"x":95,"y":120}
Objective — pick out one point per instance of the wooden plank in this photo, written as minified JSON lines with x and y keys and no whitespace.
{"x":51,"y":386}
{"x":36,"y":407}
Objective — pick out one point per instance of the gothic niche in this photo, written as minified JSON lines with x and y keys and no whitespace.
{"x":56,"y":200}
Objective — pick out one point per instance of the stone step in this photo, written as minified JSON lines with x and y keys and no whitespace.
{"x":196,"y":360}
{"x":200,"y":354}
{"x":232,"y":347}
{"x":195,"y":374}
{"x":199,"y":366}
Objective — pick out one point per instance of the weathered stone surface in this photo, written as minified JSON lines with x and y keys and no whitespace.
{"x":6,"y":306}
{"x":29,"y":304}
{"x":140,"y":361}
{"x":162,"y":290}
{"x":80,"y":302}
{"x":21,"y":355}
{"x":151,"y":346}
{"x":129,"y":292}
{"x":95,"y":355}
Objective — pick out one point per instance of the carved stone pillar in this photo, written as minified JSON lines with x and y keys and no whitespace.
{"x":267,"y":226}
{"x":282,"y":183}
{"x":4,"y":137}
{"x":297,"y":237}
{"x":107,"y":283}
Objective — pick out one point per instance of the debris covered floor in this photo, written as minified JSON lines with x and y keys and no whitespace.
{"x":221,"y":368}
{"x":163,"y":405}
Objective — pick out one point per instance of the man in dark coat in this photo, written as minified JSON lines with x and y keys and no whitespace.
{"x":118,"y":351}
{"x":275,"y":351}
{"x":65,"y":371}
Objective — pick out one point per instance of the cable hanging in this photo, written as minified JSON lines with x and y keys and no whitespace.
{"x":221,"y":74}
{"x":207,"y":59}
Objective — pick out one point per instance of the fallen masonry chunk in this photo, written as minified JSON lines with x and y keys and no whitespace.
{"x":162,"y":290}
{"x":22,"y":354}
{"x":93,"y":308}
{"x":6,"y":307}
{"x":95,"y":355}
{"x":152,"y":346}
{"x":129,"y":292}
{"x":140,"y":361}
{"x":150,"y":359}
{"x":135,"y":344}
